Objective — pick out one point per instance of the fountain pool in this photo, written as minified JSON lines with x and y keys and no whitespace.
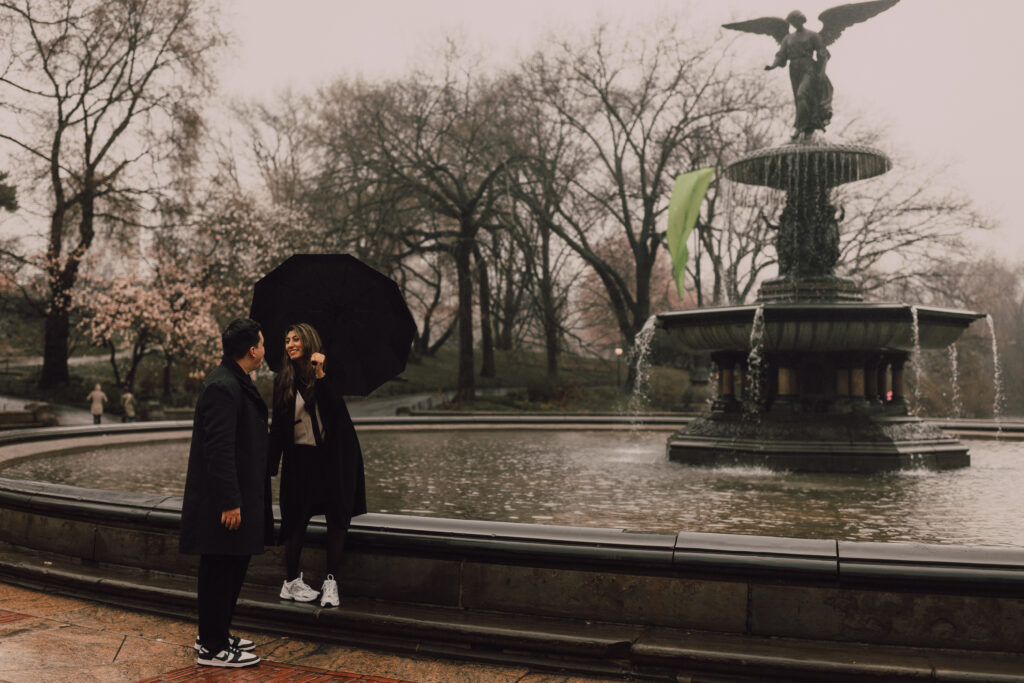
{"x":621,"y":479}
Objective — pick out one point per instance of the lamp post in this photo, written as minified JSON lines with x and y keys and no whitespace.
{"x":618,"y":366}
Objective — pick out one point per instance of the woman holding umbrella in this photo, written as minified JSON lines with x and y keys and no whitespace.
{"x":322,"y":470}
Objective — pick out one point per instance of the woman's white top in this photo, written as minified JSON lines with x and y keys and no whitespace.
{"x":304,"y":424}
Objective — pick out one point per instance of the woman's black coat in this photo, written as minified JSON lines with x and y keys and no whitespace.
{"x":227,"y":468}
{"x":341,"y":443}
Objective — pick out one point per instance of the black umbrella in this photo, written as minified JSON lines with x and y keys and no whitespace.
{"x":365,"y":325}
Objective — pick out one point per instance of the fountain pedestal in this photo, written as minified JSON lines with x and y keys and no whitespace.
{"x":811,"y":377}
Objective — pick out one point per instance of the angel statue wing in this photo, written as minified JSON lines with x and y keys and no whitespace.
{"x":769,"y":26}
{"x":836,"y":20}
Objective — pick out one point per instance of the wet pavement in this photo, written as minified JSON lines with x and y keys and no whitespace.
{"x":49,"y":638}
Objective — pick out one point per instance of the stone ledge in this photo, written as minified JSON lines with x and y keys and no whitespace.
{"x":591,"y":647}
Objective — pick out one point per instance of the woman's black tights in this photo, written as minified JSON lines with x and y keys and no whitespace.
{"x":335,"y":547}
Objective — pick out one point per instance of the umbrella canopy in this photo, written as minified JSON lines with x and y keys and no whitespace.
{"x":363,"y":320}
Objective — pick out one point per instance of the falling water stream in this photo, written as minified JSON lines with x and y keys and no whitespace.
{"x":641,"y":357}
{"x":915,"y":358}
{"x":997,"y":401}
{"x":755,"y":362}
{"x":954,"y":371}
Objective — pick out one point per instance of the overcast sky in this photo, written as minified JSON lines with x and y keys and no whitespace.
{"x":943,"y":75}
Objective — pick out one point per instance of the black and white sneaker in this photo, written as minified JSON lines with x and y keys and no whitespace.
{"x":228,"y":657}
{"x":233,"y":641}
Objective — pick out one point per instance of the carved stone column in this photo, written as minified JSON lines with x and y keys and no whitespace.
{"x":787,"y":394}
{"x":883,"y":380}
{"x":858,"y":389}
{"x":725,"y":401}
{"x":871,"y":387}
{"x":842,"y":402}
{"x":898,"y":405}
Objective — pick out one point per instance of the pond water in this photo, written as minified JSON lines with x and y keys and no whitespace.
{"x":623,"y":479}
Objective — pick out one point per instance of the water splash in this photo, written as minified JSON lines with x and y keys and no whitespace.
{"x":640,"y":356}
{"x":997,"y":401}
{"x":755,"y":364}
{"x":914,"y":362}
{"x":954,"y":368}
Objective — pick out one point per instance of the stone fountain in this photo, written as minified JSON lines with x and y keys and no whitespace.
{"x":811,"y":376}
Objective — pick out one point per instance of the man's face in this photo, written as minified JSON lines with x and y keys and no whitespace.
{"x":258,"y":352}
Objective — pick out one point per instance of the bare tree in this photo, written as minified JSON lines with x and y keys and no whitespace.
{"x":424,"y":279}
{"x":904,"y":226}
{"x":436,"y":143}
{"x":96,"y":89}
{"x":733,"y":240}
{"x":543,"y":265}
{"x":636,"y":112}
{"x":901,"y":226}
{"x":279,"y":141}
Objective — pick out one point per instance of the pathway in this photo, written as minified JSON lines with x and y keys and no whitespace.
{"x":66,"y":415}
{"x":50,"y":638}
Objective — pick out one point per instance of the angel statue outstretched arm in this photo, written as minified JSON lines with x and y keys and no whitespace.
{"x":806,"y":52}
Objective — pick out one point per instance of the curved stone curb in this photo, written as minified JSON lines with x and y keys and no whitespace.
{"x":557,"y":644}
{"x":597,"y":600}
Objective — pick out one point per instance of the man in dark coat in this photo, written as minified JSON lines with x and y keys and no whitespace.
{"x":226,"y":515}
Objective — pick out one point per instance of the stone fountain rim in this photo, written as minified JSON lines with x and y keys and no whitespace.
{"x":872,"y":311}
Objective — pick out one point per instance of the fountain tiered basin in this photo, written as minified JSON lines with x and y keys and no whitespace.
{"x":837,"y":326}
{"x":811,"y":377}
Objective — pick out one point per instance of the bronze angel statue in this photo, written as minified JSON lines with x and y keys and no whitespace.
{"x":807,"y":54}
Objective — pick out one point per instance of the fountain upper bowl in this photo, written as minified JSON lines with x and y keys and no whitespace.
{"x":828,"y":164}
{"x":840,"y":326}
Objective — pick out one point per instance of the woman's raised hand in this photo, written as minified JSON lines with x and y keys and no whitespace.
{"x":317,"y":359}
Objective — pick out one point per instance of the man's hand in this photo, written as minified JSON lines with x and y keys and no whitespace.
{"x":232,"y":519}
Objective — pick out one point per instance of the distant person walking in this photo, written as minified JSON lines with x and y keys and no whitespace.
{"x":226,"y":515}
{"x":128,"y":404}
{"x":98,"y":398}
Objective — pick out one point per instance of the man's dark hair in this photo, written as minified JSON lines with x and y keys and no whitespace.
{"x":239,"y":336}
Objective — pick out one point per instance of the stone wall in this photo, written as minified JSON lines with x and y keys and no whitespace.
{"x":876,"y":593}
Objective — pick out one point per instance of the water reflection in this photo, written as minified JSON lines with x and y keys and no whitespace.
{"x":623,"y":479}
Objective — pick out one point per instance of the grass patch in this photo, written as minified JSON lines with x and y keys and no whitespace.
{"x":590,"y":385}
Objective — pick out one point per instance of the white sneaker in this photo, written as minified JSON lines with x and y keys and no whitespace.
{"x":297,"y":590}
{"x":329,"y":593}
{"x":228,"y":657}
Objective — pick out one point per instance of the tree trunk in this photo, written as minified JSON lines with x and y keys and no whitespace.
{"x":62,"y":282}
{"x":551,"y":349}
{"x":549,"y":311}
{"x":433,"y":348}
{"x":168,"y":361}
{"x":465,"y":390}
{"x":55,"y":349}
{"x":487,"y":368}
{"x":113,"y":362}
{"x":505,"y":328}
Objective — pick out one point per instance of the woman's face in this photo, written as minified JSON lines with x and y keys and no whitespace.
{"x":293,"y":345}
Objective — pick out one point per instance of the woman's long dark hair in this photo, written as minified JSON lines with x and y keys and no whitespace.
{"x":302,"y":378}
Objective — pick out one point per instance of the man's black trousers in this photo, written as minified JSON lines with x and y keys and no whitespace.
{"x":220,"y":582}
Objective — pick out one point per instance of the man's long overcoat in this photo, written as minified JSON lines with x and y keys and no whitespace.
{"x":227,"y":468}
